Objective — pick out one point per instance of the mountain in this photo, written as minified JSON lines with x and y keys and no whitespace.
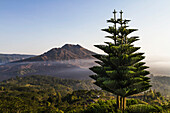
{"x":5,"y":58}
{"x":69,"y":61}
{"x":66,"y":52}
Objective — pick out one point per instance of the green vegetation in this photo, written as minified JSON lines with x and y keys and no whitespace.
{"x":152,"y":97}
{"x":133,"y":106}
{"x":42,"y":83}
{"x":39,"y":93}
{"x":120,"y":71}
{"x":46,"y":94}
{"x":141,"y":108}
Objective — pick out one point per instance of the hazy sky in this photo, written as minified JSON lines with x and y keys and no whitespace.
{"x":35,"y":26}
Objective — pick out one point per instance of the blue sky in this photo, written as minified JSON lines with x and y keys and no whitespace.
{"x":35,"y":26}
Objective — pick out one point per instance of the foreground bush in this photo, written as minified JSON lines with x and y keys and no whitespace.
{"x":141,"y":108}
{"x":101,"y":107}
{"x":131,"y":102}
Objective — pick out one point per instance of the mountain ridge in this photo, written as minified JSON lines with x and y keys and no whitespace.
{"x":66,"y":52}
{"x":6,"y":58}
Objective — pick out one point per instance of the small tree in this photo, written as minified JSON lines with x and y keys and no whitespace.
{"x":120,"y":71}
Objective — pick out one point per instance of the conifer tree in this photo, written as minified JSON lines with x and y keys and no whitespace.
{"x":121,"y":71}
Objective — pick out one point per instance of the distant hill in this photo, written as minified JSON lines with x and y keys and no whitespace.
{"x":5,"y":58}
{"x":161,"y":84}
{"x":66,"y":52}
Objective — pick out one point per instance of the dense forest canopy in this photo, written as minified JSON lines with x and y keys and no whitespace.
{"x":47,"y":94}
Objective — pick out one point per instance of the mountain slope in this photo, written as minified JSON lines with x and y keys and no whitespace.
{"x":66,"y":52}
{"x":5,"y":58}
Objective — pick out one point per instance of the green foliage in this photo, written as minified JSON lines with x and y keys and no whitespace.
{"x":31,"y":97}
{"x":158,"y":108}
{"x":141,"y":108}
{"x":154,"y":97}
{"x":49,"y":109}
{"x":81,"y":95}
{"x":131,"y":102}
{"x":101,"y":107}
{"x":37,"y":82}
{"x":14,"y":105}
{"x":78,"y":100}
{"x":38,"y":93}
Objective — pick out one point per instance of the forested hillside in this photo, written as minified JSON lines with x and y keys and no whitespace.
{"x":47,"y":94}
{"x":159,"y":83}
{"x":43,"y":83}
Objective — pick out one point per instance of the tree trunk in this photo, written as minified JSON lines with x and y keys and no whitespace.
{"x":118,"y":101}
{"x":121,"y":103}
{"x":124,"y":103}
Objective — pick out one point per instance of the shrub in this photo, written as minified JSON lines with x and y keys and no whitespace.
{"x":131,"y":102}
{"x":141,"y":108}
{"x":101,"y":107}
{"x":141,"y":102}
{"x":158,"y":108}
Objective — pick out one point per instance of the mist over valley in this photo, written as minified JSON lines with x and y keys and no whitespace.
{"x":69,"y":61}
{"x":159,"y":66}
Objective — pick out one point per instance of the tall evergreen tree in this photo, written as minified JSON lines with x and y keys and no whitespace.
{"x":121,"y":71}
